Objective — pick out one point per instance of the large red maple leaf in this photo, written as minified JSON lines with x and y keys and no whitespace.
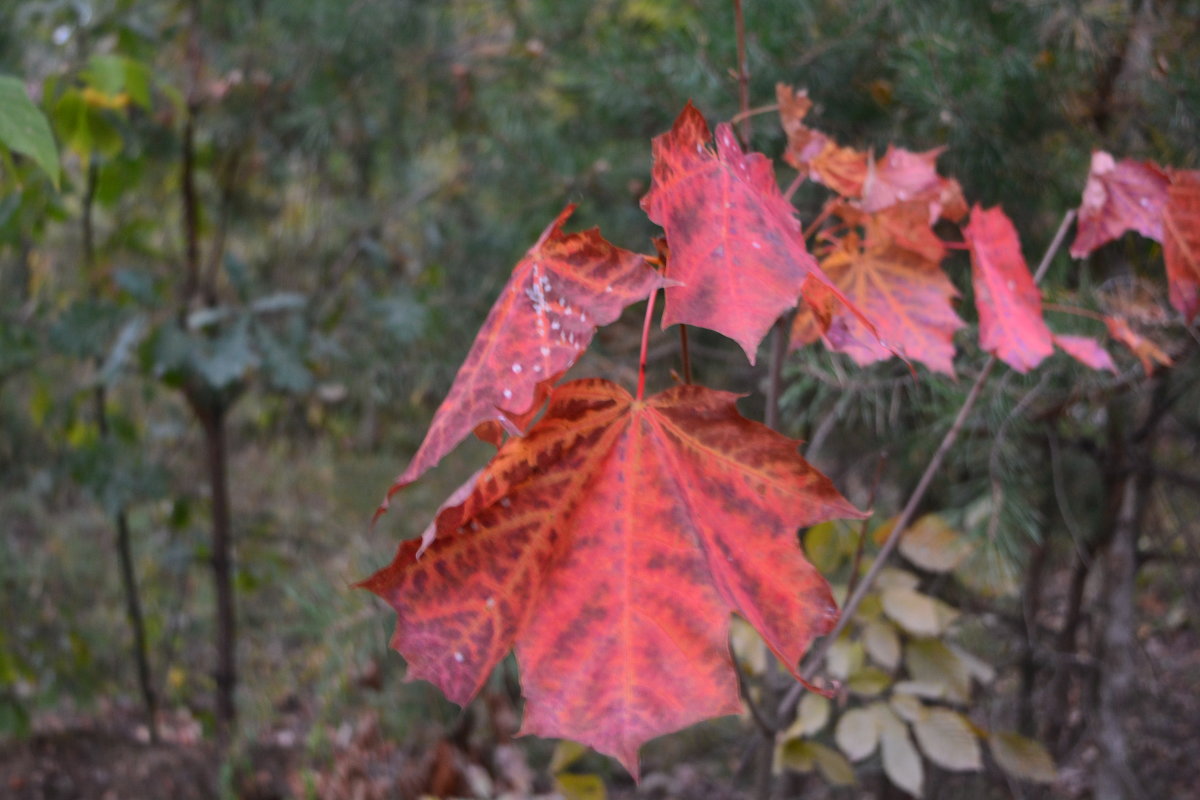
{"x":566,"y":285}
{"x":1009,"y":303}
{"x":610,"y":545}
{"x":1181,"y":241}
{"x":906,"y":295}
{"x":737,"y":249}
{"x":1119,"y":196}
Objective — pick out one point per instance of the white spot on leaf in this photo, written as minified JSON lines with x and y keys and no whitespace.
{"x":516,"y":368}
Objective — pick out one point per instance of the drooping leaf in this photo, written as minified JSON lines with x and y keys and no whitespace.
{"x":566,"y":285}
{"x":1009,"y":304}
{"x":1149,"y":353}
{"x":1022,"y":757}
{"x":1086,"y":351}
{"x":901,"y":761}
{"x":1181,"y":242}
{"x":905,"y":295}
{"x":610,"y":545}
{"x":882,"y":643}
{"x":24,"y":129}
{"x":737,"y":249}
{"x":1119,"y":196}
{"x":857,"y":733}
{"x":948,"y":741}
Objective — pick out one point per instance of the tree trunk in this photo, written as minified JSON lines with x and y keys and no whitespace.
{"x":129,"y":587}
{"x":222,"y":564}
{"x":1116,"y":679}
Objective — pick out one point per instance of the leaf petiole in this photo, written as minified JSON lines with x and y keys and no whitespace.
{"x":641,"y":389}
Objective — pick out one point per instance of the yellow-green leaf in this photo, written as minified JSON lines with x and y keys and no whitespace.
{"x":1022,"y":757}
{"x":580,"y":787}
{"x":882,"y":643}
{"x":797,"y":755}
{"x":24,"y":129}
{"x":822,"y":545}
{"x":894,"y":578}
{"x":917,"y":613}
{"x":833,"y":765}
{"x":566,"y":753}
{"x":844,"y":658}
{"x":901,"y":761}
{"x":857,"y":733}
{"x":748,"y":647}
{"x":931,"y":663}
{"x":948,"y":741}
{"x":932,"y":544}
{"x":868,"y":681}
{"x":811,"y":716}
{"x":908,"y":707}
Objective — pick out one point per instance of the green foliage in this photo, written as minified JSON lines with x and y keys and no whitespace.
{"x":23,"y":129}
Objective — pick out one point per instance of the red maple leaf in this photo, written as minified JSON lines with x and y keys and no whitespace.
{"x":737,"y":249}
{"x":906,"y":295}
{"x":566,"y":285}
{"x":1009,"y":304}
{"x":1181,"y":241}
{"x":900,"y":176}
{"x":609,"y":546}
{"x":804,"y":143}
{"x":1147,"y":352}
{"x":1119,"y":196}
{"x":1085,"y":350}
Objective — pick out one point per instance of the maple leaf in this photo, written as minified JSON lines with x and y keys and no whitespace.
{"x":906,"y":295}
{"x":1009,"y":304}
{"x":1181,"y":241}
{"x":900,"y":176}
{"x":1086,"y":351}
{"x":566,"y":285}
{"x":1119,"y":196}
{"x":1146,"y":351}
{"x":737,"y":249}
{"x":609,"y":545}
{"x":804,"y":143}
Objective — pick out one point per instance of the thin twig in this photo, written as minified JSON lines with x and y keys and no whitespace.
{"x":685,"y":355}
{"x":760,"y":719}
{"x":743,"y":75}
{"x":752,"y":112}
{"x":793,"y":186}
{"x":862,"y":531}
{"x":641,"y":388}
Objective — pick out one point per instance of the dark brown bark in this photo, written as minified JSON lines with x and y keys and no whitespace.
{"x":225,"y":674}
{"x":1031,"y":604}
{"x":1117,"y":675}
